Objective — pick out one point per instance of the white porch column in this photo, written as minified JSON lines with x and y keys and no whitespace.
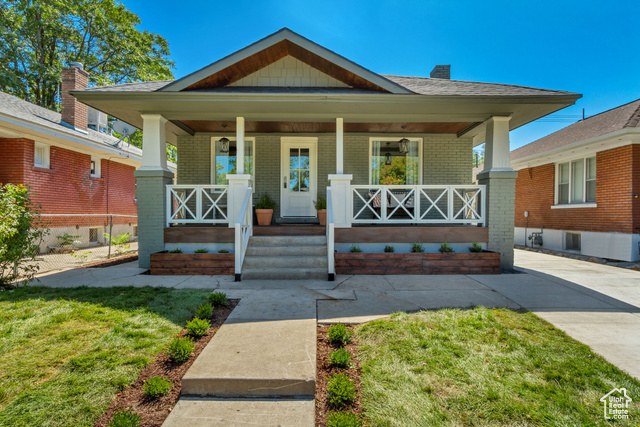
{"x":238,"y":185}
{"x":339,"y":146}
{"x":500,"y":181}
{"x":341,"y":200}
{"x":239,"y":146}
{"x":151,"y":180}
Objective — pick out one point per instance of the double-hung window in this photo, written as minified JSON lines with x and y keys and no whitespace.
{"x":224,"y":159}
{"x":41,"y":155}
{"x":391,"y":163}
{"x":576,"y":181}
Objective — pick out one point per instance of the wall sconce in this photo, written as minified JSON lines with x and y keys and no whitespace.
{"x":387,"y":159}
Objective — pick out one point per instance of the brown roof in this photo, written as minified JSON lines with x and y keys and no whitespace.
{"x":625,"y":116}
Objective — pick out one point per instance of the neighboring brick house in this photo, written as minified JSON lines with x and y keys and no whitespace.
{"x":581,"y":184}
{"x":80,"y":176}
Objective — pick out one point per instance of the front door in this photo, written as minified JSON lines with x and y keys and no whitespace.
{"x":298,"y":176}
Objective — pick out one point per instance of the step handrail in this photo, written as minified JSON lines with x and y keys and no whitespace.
{"x":244,"y":230}
{"x":330,"y":236}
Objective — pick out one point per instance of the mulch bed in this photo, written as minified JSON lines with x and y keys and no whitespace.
{"x":112,"y":261}
{"x":155,"y":411}
{"x":324,"y":371}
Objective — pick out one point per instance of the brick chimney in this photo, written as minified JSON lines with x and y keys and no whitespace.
{"x":441,"y":72}
{"x":74,"y":113}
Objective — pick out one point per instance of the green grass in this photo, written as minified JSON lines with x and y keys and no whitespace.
{"x":65,"y":353}
{"x":482,"y":367}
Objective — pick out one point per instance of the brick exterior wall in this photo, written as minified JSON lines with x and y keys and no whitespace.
{"x":67,"y":187}
{"x":73,"y":112}
{"x":617,"y":180}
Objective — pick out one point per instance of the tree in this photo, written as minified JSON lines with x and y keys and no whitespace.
{"x":20,"y":236}
{"x":40,"y":37}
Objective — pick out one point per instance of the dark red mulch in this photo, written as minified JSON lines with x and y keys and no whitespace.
{"x":155,"y":411}
{"x":112,"y":261}
{"x":324,"y":371}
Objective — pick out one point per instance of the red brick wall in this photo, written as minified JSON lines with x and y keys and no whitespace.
{"x":614,"y":196}
{"x":67,"y":187}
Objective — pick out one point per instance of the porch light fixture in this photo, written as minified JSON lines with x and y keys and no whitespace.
{"x":404,"y":142}
{"x":387,"y":159}
{"x":224,"y":141}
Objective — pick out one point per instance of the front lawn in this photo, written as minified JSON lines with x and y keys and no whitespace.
{"x":482,"y":367}
{"x":66,"y":353}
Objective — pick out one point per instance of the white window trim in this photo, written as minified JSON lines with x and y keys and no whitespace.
{"x":98,"y":163}
{"x":391,"y":138}
{"x":212,"y":160}
{"x":46,"y":155}
{"x":584,"y":203}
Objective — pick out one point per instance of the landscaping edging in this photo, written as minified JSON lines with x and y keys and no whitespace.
{"x":484,"y":262}
{"x":165,"y":263}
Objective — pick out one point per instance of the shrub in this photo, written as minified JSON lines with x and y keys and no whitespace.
{"x":223,"y":251}
{"x":338,"y":334}
{"x":20,"y":234}
{"x":175,"y":251}
{"x":156,"y":387}
{"x":343,"y":419}
{"x":200,"y":251}
{"x":265,"y":202}
{"x":119,"y":241}
{"x":81,"y":256}
{"x":445,"y":248}
{"x":341,"y":391}
{"x":68,"y":240}
{"x":475,"y":248}
{"x":340,"y":358}
{"x":218,"y":298}
{"x":180,"y":349}
{"x":389,"y":248}
{"x":125,"y":418}
{"x":205,"y":311}
{"x":355,"y":248}
{"x":417,"y":247}
{"x":198,"y":327}
{"x":321,"y":203}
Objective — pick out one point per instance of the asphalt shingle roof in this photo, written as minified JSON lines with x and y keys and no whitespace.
{"x":625,"y":116}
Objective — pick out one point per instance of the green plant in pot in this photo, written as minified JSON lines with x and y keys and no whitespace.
{"x":321,"y":207}
{"x":264,"y":209}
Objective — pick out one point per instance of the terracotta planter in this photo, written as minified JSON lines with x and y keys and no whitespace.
{"x":322,"y":216}
{"x":264,"y":216}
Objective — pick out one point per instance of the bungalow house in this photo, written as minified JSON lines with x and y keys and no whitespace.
{"x":579,"y":186}
{"x":290,"y":118}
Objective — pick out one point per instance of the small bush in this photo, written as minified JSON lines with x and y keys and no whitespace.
{"x":321,"y":203}
{"x":180,"y":349}
{"x":175,"y":251}
{"x":338,"y":334}
{"x":417,"y":247}
{"x":343,"y":419}
{"x":265,"y":202}
{"x":355,"y":248}
{"x":218,"y":298}
{"x":200,"y":251}
{"x":341,"y":391}
{"x":340,"y":358}
{"x":156,"y":387}
{"x":125,"y":418}
{"x":223,"y":251}
{"x":445,"y":249}
{"x":475,"y":248}
{"x":389,"y":248}
{"x":205,"y":311}
{"x":198,"y":327}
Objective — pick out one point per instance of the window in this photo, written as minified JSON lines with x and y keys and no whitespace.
{"x":93,"y":235}
{"x":135,"y":231}
{"x":223,"y":162}
{"x":572,"y":241}
{"x":389,"y":166}
{"x":41,"y":155}
{"x":576,"y":181}
{"x":95,"y":167}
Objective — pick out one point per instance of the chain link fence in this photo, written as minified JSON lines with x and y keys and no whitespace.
{"x":82,"y":239}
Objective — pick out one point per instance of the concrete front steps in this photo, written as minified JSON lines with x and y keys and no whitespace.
{"x":291,"y":257}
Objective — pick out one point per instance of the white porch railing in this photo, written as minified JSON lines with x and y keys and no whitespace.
{"x":187,"y":204}
{"x":330,"y":234}
{"x":244,"y":230}
{"x":419,"y":204}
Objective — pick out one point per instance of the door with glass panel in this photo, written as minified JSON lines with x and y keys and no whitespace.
{"x":298,"y":178}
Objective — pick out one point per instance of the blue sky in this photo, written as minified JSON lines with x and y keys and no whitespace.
{"x":589,"y":47}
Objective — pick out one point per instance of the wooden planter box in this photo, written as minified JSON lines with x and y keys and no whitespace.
{"x":418,"y":263}
{"x":165,"y":263}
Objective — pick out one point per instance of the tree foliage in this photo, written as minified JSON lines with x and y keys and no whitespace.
{"x":40,"y":37}
{"x":20,"y":237}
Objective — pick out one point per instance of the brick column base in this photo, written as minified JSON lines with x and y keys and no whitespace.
{"x":151,"y":194}
{"x":501,"y":193}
